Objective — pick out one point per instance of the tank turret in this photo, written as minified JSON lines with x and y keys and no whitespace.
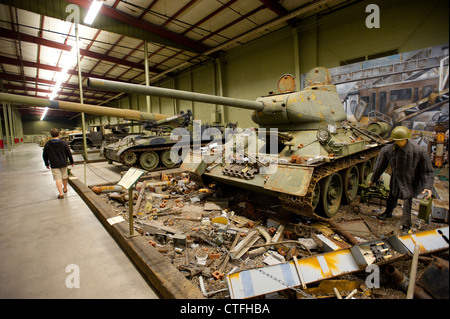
{"x":304,"y":151}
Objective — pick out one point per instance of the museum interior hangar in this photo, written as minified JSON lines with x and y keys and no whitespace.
{"x":317,"y":85}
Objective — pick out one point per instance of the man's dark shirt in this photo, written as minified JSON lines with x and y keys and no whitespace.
{"x":55,"y":154}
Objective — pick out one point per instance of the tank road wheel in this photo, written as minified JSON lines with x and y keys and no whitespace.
{"x":149,"y":160}
{"x":351,"y":184}
{"x":316,"y":196}
{"x":365,"y":169}
{"x":129,"y":158}
{"x":166,"y":158}
{"x":331,"y":190}
{"x":78,"y":146}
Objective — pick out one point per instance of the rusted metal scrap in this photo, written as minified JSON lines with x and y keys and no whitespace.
{"x":403,"y":282}
{"x":435,"y":278}
{"x":257,"y":282}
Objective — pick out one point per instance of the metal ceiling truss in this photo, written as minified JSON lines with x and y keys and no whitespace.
{"x":171,"y":51}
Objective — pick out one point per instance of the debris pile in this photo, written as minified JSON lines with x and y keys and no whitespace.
{"x":209,"y":232}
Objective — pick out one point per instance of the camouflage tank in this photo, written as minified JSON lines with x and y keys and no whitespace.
{"x":154,"y":149}
{"x":304,"y":151}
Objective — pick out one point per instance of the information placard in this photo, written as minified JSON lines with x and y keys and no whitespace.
{"x":131,"y":177}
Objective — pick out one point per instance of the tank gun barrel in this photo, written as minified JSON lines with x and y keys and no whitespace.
{"x":85,"y":108}
{"x":94,"y":83}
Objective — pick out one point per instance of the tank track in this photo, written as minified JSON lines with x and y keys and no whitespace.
{"x":142,"y":150}
{"x":302,"y":205}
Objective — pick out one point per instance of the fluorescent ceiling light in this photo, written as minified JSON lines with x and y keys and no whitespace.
{"x":68,"y":60}
{"x":45,"y":112}
{"x":93,"y":11}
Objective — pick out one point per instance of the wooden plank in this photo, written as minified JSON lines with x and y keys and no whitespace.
{"x":90,"y":161}
{"x":162,"y":274}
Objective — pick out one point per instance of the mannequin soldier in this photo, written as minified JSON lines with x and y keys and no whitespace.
{"x":412,"y":173}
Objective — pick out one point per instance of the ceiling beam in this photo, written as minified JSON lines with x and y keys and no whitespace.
{"x":209,"y":16}
{"x":279,"y":10}
{"x":50,"y":113}
{"x":120,"y":23}
{"x":176,"y":14}
{"x":11,"y":61}
{"x":13,"y":35}
{"x":12,"y":87}
{"x":38,"y":81}
{"x":110,"y":12}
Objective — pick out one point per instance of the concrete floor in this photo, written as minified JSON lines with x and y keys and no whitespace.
{"x":40,"y":236}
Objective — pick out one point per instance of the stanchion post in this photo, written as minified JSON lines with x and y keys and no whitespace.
{"x":128,"y":181}
{"x":130,"y":210}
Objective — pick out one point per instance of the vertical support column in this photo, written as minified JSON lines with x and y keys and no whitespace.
{"x":191,"y":89}
{"x":1,"y":136}
{"x":296,"y":59}
{"x":80,"y":86}
{"x":317,"y":40}
{"x":5,"y":116}
{"x":19,"y":125}
{"x":219,"y":90}
{"x":11,"y":129}
{"x":147,"y":77}
{"x":13,"y":124}
{"x":175,"y":101}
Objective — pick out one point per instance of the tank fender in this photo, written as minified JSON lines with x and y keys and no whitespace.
{"x":293,"y":180}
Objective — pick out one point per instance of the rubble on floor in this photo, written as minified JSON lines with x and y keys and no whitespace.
{"x":209,"y":232}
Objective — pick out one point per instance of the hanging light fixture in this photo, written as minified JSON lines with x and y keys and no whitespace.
{"x":43,"y":114}
{"x":66,"y":63}
{"x":93,"y":11}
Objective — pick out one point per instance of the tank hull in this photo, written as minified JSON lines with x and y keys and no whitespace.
{"x":299,"y":172}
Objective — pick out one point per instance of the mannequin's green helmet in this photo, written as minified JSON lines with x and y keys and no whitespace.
{"x":400,"y":133}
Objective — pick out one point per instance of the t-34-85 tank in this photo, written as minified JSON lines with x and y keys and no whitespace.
{"x":305,"y":151}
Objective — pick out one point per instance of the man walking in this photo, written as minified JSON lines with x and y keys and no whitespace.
{"x":55,"y":155}
{"x":412,"y":173}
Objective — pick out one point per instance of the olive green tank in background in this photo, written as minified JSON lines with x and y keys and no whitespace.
{"x":318,"y":160}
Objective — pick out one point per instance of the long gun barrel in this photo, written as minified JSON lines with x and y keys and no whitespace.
{"x":85,"y":108}
{"x":114,"y":86}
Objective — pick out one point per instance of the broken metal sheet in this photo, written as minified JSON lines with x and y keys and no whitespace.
{"x":331,"y":244}
{"x":256,"y":282}
{"x":429,"y":241}
{"x":357,"y":227}
{"x":291,"y":180}
{"x":260,"y":281}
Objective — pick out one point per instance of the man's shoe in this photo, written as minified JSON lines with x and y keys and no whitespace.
{"x":384,"y":216}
